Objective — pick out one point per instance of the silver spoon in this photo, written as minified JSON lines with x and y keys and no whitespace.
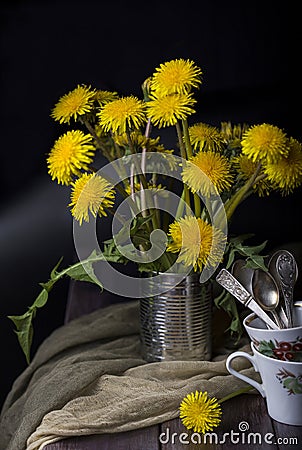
{"x":272,"y":267}
{"x":231,"y":284}
{"x":266,"y":293}
{"x":287,"y":270}
{"x":243,"y":274}
{"x":297,"y":313}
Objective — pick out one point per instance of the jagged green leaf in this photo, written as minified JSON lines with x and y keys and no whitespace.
{"x":24,"y":331}
{"x":251,"y":253}
{"x":237,"y":240}
{"x":140,"y":221}
{"x":83,"y":272}
{"x":122,"y":235}
{"x":54,"y":273}
{"x":266,"y":348}
{"x":41,"y":299}
{"x":231,"y":257}
{"x":253,"y":249}
{"x":256,"y":262}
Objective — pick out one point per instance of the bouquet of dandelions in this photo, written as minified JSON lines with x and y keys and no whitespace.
{"x":218,"y":167}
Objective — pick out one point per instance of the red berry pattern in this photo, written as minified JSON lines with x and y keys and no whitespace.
{"x":283,"y":350}
{"x":297,"y":347}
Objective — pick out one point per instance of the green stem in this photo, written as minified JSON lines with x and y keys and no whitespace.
{"x":132,"y":149}
{"x":97,"y":139}
{"x":188,"y":145}
{"x":183,"y":154}
{"x":197,"y":205}
{"x":117,"y":148}
{"x":181,"y":141}
{"x":122,"y":170}
{"x":235,"y":393}
{"x":189,"y":154}
{"x":143,"y":181}
{"x":166,"y":262}
{"x":181,"y":206}
{"x":239,"y":196}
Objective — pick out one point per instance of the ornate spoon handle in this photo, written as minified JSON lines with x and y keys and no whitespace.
{"x":287,"y":271}
{"x":231,"y":284}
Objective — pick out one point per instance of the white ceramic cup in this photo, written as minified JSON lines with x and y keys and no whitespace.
{"x":281,"y":385}
{"x":284,"y":344}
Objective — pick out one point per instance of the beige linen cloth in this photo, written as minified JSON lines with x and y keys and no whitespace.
{"x":89,"y":377}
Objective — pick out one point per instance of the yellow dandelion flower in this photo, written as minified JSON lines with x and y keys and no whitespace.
{"x":232,"y":134}
{"x":199,"y":243}
{"x":100,"y":133}
{"x":122,"y":114}
{"x":72,"y":152}
{"x":103,"y":97}
{"x":231,"y":131}
{"x":208,"y":173}
{"x":205,"y":137}
{"x":156,"y":188}
{"x":175,"y":77}
{"x":136,"y":188}
{"x":90,"y":193}
{"x":76,"y":103}
{"x":166,"y":111}
{"x":265,"y":143}
{"x":199,"y":412}
{"x":246,"y":168}
{"x":286,"y":173}
{"x":138,"y":139}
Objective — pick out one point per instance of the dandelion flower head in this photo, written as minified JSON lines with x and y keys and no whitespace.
{"x":286,"y":173}
{"x":122,"y":114}
{"x":166,"y":111}
{"x":264,"y":143}
{"x":200,"y":413}
{"x":90,"y":193}
{"x":76,"y":103}
{"x":71,"y":153}
{"x":246,"y":169}
{"x":233,"y":133}
{"x":138,"y":139}
{"x":103,"y":97}
{"x":176,"y":76}
{"x":208,"y":173}
{"x":199,"y":243}
{"x":205,"y":137}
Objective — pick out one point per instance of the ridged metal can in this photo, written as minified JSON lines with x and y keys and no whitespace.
{"x":177,"y":324}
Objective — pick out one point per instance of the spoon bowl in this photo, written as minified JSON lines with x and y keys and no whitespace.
{"x":266,"y":293}
{"x":243,"y":274}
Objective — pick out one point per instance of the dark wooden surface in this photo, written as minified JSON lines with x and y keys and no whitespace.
{"x":245,"y":422}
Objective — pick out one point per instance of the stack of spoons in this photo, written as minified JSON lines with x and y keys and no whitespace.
{"x":269,"y":294}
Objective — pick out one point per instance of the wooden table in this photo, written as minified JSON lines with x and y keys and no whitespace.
{"x":245,"y":422}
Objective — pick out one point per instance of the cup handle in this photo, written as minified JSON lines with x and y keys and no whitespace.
{"x":234,"y":372}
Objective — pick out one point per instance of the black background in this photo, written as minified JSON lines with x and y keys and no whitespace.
{"x":249,"y":53}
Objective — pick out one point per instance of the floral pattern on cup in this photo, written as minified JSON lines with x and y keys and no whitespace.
{"x":291,"y":382}
{"x":283,"y":350}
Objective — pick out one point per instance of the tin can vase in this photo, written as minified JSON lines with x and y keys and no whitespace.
{"x":177,"y":324}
